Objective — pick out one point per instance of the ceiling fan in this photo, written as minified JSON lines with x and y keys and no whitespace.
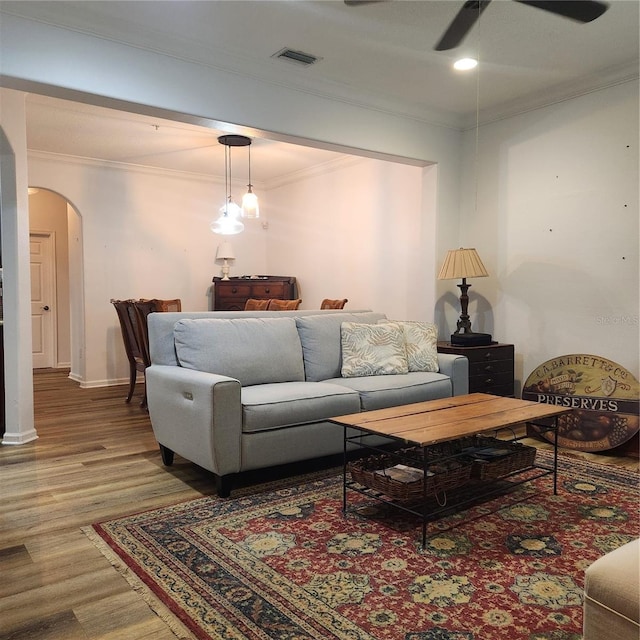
{"x":578,"y":10}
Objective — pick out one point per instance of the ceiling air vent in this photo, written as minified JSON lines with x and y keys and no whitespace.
{"x":296,"y":56}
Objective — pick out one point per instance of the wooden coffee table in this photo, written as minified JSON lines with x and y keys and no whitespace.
{"x":425,"y":424}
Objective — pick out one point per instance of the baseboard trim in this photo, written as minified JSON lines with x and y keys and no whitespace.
{"x":113,"y":382}
{"x":19,"y":438}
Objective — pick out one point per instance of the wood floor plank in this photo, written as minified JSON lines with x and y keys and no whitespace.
{"x":95,"y":583}
{"x":61,"y":626}
{"x":95,"y":459}
{"x":105,"y":618}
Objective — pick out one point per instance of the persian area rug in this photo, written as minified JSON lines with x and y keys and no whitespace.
{"x":286,"y":564}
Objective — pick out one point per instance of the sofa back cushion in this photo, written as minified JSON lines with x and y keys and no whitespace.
{"x":321,"y":341}
{"x":252,"y":350}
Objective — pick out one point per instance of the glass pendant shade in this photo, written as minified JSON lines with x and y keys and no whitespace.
{"x":250,"y":205}
{"x":228,"y":224}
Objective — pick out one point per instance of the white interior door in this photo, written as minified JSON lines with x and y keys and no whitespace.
{"x":42,"y":300}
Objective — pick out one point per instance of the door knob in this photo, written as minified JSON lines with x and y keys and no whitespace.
{"x":46,"y":307}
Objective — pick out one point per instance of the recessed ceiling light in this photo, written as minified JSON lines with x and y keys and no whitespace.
{"x":464,"y":64}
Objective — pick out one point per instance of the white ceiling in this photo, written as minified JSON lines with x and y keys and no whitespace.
{"x":379,"y":54}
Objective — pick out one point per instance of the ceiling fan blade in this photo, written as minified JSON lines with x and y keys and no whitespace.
{"x":462,"y":24}
{"x":578,"y":10}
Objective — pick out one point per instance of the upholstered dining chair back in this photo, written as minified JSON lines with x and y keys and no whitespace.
{"x":168,"y":305}
{"x":283,"y":305}
{"x":252,"y":304}
{"x":328,"y":303}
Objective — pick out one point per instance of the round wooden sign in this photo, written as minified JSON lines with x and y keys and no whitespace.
{"x":603,"y":394}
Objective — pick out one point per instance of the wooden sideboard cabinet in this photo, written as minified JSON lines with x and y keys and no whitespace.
{"x":230,"y":295}
{"x":491,"y":368}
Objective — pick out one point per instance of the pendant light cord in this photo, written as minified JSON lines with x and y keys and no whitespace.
{"x":229,"y":152}
{"x":226,"y":178}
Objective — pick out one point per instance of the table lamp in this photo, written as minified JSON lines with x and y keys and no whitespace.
{"x":464,"y":263}
{"x":224,"y":253}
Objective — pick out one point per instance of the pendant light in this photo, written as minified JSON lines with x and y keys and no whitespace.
{"x":228,"y":223}
{"x":250,"y":206}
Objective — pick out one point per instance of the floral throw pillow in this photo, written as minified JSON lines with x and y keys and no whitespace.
{"x":421,"y":344}
{"x":372,"y":349}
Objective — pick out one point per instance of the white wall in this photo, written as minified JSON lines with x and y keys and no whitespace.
{"x":557,"y":228}
{"x":353,"y":231}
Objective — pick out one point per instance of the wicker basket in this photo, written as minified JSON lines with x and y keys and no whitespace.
{"x":377,"y":473}
{"x":519,"y":457}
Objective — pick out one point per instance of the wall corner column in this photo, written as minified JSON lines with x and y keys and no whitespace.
{"x":14,"y":220}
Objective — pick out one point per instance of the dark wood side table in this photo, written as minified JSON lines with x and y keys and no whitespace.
{"x":230,"y":295}
{"x":491,"y":368}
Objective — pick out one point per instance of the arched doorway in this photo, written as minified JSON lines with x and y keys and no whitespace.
{"x":53,"y":221}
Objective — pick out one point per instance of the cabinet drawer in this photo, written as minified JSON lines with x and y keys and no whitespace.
{"x":268,"y":290}
{"x":230,"y":290}
{"x":490,"y":367}
{"x":488,"y":380}
{"x":489,"y":354}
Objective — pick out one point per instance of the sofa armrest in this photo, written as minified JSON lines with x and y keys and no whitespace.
{"x":197,"y":415}
{"x":457,"y":368}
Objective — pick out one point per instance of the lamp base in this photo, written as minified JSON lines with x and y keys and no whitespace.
{"x":471,"y":339}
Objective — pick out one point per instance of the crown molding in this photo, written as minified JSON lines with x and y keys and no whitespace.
{"x":610,"y":77}
{"x":294,"y":176}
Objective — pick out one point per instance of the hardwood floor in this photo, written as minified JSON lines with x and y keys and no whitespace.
{"x":95,"y":459}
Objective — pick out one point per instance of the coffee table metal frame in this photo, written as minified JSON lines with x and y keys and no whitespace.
{"x":374,"y":425}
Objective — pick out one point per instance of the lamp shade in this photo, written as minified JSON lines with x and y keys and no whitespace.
{"x":250,"y":206}
{"x":462,"y":263}
{"x":225,"y":252}
{"x":227,"y":223}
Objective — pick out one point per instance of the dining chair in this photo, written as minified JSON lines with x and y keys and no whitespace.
{"x":283,"y":305}
{"x":328,"y":303}
{"x":253,"y":304}
{"x":142,"y":310}
{"x":132,"y":343}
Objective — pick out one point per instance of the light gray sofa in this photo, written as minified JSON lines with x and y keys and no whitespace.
{"x":236,"y":391}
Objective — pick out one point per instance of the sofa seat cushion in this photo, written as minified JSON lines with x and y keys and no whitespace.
{"x":379,"y":392}
{"x":251,"y":350}
{"x":268,"y":406}
{"x":321,"y":342}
